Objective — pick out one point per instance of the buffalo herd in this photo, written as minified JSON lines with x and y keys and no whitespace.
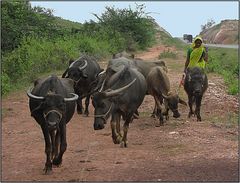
{"x":115,"y":92}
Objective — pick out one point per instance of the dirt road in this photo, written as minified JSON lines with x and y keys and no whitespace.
{"x":181,"y":150}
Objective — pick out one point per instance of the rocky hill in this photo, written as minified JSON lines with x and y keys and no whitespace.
{"x":226,"y":32}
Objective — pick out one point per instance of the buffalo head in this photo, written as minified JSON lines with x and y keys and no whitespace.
{"x":195,"y":81}
{"x":172,"y":100}
{"x":102,"y":102}
{"x":75,"y":72}
{"x":52,"y":107}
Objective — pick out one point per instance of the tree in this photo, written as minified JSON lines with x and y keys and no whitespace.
{"x":208,"y":25}
{"x":134,"y":26}
{"x":19,"y":20}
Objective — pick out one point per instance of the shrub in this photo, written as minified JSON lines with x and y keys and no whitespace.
{"x":167,"y":54}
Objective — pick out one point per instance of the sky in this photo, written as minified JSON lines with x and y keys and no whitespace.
{"x":176,"y":17}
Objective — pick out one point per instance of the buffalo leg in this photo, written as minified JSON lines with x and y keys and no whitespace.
{"x":198,"y":105}
{"x":118,"y":127}
{"x":125,"y":131}
{"x":48,"y":149}
{"x":53,"y":140}
{"x":86,"y":112}
{"x":57,"y":141}
{"x":114,"y":121}
{"x":153,"y":115}
{"x":79,"y":106}
{"x":190,"y":103}
{"x":158,"y":102}
{"x":63,"y":145}
{"x":165,"y":113}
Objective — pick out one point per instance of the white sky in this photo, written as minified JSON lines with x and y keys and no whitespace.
{"x":176,"y":17}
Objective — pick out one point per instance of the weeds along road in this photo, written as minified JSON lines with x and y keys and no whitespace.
{"x":181,"y":150}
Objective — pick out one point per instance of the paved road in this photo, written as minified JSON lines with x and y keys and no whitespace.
{"x":215,"y":45}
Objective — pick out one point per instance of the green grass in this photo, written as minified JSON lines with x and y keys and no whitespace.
{"x":225,"y":62}
{"x":230,"y":120}
{"x":167,"y":54}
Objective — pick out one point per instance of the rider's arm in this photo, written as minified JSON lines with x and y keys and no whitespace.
{"x":187,"y":60}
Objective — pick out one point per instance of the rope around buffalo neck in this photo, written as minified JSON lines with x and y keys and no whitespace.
{"x":103,"y":115}
{"x":55,"y":111}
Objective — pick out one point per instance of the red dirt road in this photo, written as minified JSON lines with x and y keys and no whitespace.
{"x":181,"y":150}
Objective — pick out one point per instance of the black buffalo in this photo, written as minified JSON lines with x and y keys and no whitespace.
{"x":142,"y":66}
{"x":195,"y":84}
{"x":159,"y":87}
{"x":122,"y":92}
{"x":84,"y":72}
{"x":52,"y":104}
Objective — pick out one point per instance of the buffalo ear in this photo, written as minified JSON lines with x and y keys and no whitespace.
{"x":70,"y":62}
{"x":36,"y":82}
{"x":182,"y":101}
{"x":84,"y":75}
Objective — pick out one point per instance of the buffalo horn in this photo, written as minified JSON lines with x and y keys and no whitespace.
{"x":119,"y":90}
{"x":102,"y":72}
{"x":72,"y":64}
{"x":164,"y":96}
{"x":84,"y":66}
{"x":30,"y":95}
{"x":75,"y":97}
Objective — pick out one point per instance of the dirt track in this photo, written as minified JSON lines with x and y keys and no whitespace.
{"x":181,"y":150}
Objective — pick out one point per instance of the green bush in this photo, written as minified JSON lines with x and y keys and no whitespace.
{"x":167,"y":54}
{"x":225,"y":62}
{"x":5,"y":83}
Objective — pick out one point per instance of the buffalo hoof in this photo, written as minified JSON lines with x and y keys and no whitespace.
{"x":79,"y":111}
{"x":57,"y":162}
{"x":47,"y":170}
{"x":199,"y":119}
{"x":117,"y":140}
{"x":167,"y":117}
{"x":124,"y":144}
{"x":153,"y":115}
{"x":86,"y":113}
{"x":190,"y":114}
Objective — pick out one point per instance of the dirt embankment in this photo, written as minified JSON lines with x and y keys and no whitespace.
{"x":181,"y":150}
{"x":225,"y":32}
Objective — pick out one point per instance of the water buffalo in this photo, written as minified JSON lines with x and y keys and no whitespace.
{"x":52,"y":103}
{"x":159,"y":87}
{"x":123,"y":54}
{"x":84,"y":72}
{"x":122,"y":92}
{"x":195,"y":84}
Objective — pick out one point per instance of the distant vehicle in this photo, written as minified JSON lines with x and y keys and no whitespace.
{"x":188,"y":37}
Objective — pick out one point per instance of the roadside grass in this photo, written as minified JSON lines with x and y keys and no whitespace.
{"x":224,"y":61}
{"x":229,"y":120}
{"x":24,"y":83}
{"x":168,"y":54}
{"x":175,"y":64}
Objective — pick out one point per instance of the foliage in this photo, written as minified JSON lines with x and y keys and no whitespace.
{"x":35,"y":42}
{"x":225,"y":62}
{"x":167,"y":54}
{"x":36,"y":56}
{"x":135,"y":27}
{"x":208,"y":25}
{"x":169,"y":41}
{"x":19,"y":20}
